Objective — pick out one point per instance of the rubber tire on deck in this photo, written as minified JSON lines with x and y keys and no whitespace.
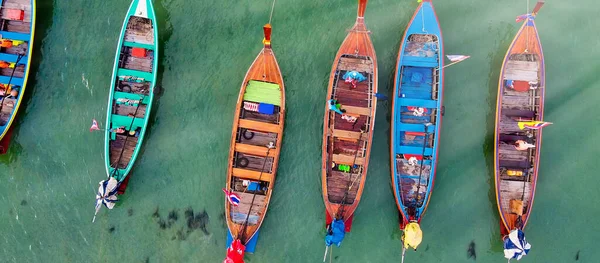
{"x":242,"y":162}
{"x":126,"y":87}
{"x":248,"y":135}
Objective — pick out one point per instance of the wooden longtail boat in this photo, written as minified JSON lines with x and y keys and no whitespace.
{"x":417,"y":115}
{"x":132,"y":89}
{"x":347,"y":137}
{"x":521,"y":90}
{"x":17,"y":28}
{"x":255,"y":147}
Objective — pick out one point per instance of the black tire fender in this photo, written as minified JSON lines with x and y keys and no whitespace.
{"x":248,"y":135}
{"x":242,"y":162}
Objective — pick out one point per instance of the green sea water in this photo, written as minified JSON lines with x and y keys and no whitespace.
{"x":49,"y":177}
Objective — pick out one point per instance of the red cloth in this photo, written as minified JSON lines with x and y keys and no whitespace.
{"x":235,"y":252}
{"x":15,"y":14}
{"x":407,"y":156}
{"x":520,"y":85}
{"x":138,"y":52}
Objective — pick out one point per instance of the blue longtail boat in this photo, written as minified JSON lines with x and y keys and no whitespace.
{"x":16,"y":41}
{"x":417,"y":115}
{"x":130,"y":100}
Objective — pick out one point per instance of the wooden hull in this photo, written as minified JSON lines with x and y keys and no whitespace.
{"x":21,"y":34}
{"x":262,"y":162}
{"x":413,"y":180}
{"x":132,"y":89}
{"x":516,"y":172}
{"x":346,"y":143}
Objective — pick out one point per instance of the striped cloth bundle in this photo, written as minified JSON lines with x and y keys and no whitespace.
{"x":251,"y":106}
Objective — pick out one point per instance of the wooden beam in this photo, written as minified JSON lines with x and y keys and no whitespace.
{"x":252,"y":175}
{"x":357,"y":110}
{"x":346,"y":134}
{"x":347,"y":159}
{"x":255,"y":150}
{"x":259,"y":126}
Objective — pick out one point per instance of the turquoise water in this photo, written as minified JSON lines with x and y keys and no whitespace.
{"x":49,"y":177}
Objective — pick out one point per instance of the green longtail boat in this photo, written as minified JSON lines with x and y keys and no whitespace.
{"x":17,"y":29}
{"x":130,"y":99}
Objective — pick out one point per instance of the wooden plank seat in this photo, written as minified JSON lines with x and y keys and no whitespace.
{"x":128,"y":122}
{"x":14,"y":81}
{"x":131,"y":96}
{"x":252,"y":175}
{"x":518,"y":113}
{"x":417,"y":103}
{"x":259,"y":126}
{"x":414,"y":150}
{"x":254,"y":150}
{"x":512,"y":138}
{"x":515,"y":164}
{"x":122,"y":72}
{"x":15,"y":36}
{"x":140,"y":45}
{"x":348,"y":159}
{"x":357,"y":110}
{"x":12,"y":58}
{"x":346,"y":134}
{"x":412,"y":127}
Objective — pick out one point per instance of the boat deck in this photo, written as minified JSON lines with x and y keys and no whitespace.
{"x":12,"y":23}
{"x":416,"y":114}
{"x":520,"y":100}
{"x":131,"y":98}
{"x":255,"y":145}
{"x":7,"y":109}
{"x":121,"y":150}
{"x":349,"y":140}
{"x":140,"y":30}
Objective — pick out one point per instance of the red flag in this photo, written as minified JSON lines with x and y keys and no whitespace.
{"x":235,"y":252}
{"x":94,"y":126}
{"x":521,"y":18}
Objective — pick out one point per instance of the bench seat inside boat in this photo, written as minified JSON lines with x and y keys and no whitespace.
{"x":125,"y":121}
{"x":515,"y":164}
{"x":518,"y":113}
{"x":427,"y":62}
{"x":252,"y":175}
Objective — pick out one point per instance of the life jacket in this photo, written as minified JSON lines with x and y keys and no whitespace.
{"x":6,"y":43}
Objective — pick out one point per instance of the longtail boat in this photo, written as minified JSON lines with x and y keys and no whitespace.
{"x":17,"y":28}
{"x":348,"y":127}
{"x":130,"y":100}
{"x":518,"y":138}
{"x":417,"y":119}
{"x":254,"y":152}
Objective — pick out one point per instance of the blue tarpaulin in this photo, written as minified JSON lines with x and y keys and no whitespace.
{"x":266,"y":108}
{"x":354,"y":75}
{"x":336,"y":233}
